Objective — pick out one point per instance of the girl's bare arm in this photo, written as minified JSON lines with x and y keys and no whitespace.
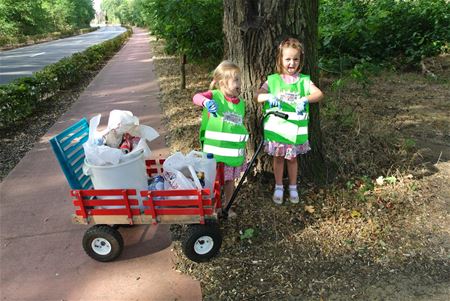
{"x":262,"y":95}
{"x":316,"y":95}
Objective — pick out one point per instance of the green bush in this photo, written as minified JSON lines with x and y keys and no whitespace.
{"x":190,"y":27}
{"x":21,"y":98}
{"x":404,"y":31}
{"x":18,"y":100}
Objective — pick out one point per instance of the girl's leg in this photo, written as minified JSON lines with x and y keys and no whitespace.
{"x":278,"y":167}
{"x":228,"y":191}
{"x":228,"y":188}
{"x":292,"y":167}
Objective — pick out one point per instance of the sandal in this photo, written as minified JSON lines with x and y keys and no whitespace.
{"x":278,"y":195}
{"x":293,"y":194}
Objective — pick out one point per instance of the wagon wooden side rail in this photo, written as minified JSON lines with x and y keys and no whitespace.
{"x":120,"y":206}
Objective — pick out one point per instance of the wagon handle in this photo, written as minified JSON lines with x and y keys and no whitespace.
{"x":252,"y":161}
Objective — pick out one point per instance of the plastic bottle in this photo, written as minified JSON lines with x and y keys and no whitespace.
{"x":210,"y":172}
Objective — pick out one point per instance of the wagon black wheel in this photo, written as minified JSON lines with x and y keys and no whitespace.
{"x":201,"y":242}
{"x":103,"y":243}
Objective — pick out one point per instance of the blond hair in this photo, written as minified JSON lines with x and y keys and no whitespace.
{"x":224,"y":71}
{"x":289,"y":43}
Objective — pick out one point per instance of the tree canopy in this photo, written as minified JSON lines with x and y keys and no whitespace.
{"x":32,"y":17}
{"x":351,"y":32}
{"x":190,"y":27}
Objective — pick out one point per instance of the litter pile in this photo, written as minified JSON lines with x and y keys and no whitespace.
{"x":115,"y":158}
{"x":122,"y":140}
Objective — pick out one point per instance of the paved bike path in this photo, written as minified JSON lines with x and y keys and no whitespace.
{"x":25,"y":61}
{"x":41,"y":253}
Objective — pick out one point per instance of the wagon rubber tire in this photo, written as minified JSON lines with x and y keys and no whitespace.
{"x":103,"y":243}
{"x":202,"y":242}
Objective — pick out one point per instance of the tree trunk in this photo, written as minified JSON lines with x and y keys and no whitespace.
{"x":253,"y":30}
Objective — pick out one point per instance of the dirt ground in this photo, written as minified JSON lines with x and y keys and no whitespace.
{"x":379,"y":231}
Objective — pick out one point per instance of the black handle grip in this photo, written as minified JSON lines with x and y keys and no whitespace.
{"x":281,"y":115}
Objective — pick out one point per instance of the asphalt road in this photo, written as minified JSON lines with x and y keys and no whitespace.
{"x":22,"y":62}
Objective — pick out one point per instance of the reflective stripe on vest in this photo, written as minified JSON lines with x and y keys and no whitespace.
{"x":223,"y":151}
{"x":225,"y":136}
{"x":294,"y":130}
{"x":230,"y":137}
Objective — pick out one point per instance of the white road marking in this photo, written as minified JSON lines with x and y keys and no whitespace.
{"x":16,"y":73}
{"x":36,"y":54}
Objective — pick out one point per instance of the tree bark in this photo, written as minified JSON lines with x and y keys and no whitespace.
{"x":253,"y":30}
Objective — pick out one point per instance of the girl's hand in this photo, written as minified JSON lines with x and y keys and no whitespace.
{"x":273,"y":101}
{"x":211,"y":106}
{"x":301,"y":106}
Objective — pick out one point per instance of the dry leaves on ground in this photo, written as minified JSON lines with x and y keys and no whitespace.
{"x":357,"y":239}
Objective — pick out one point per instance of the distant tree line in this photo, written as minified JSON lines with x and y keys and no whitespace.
{"x":20,"y":18}
{"x":351,"y":32}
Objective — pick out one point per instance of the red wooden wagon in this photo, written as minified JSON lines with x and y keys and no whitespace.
{"x":107,"y":208}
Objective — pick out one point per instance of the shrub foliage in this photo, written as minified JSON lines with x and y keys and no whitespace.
{"x":401,"y":31}
{"x":191,"y":27}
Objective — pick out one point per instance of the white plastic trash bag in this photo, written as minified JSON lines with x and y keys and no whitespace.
{"x":179,"y":174}
{"x":205,"y":168}
{"x":119,"y":123}
{"x":96,"y":153}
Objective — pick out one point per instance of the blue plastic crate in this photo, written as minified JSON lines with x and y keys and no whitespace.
{"x":68,"y":148}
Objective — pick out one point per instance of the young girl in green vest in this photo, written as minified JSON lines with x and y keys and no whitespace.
{"x":222,"y":131}
{"x":291,"y":92}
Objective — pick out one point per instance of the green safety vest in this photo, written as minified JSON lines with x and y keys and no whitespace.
{"x":225,"y":136}
{"x":294,"y":130}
